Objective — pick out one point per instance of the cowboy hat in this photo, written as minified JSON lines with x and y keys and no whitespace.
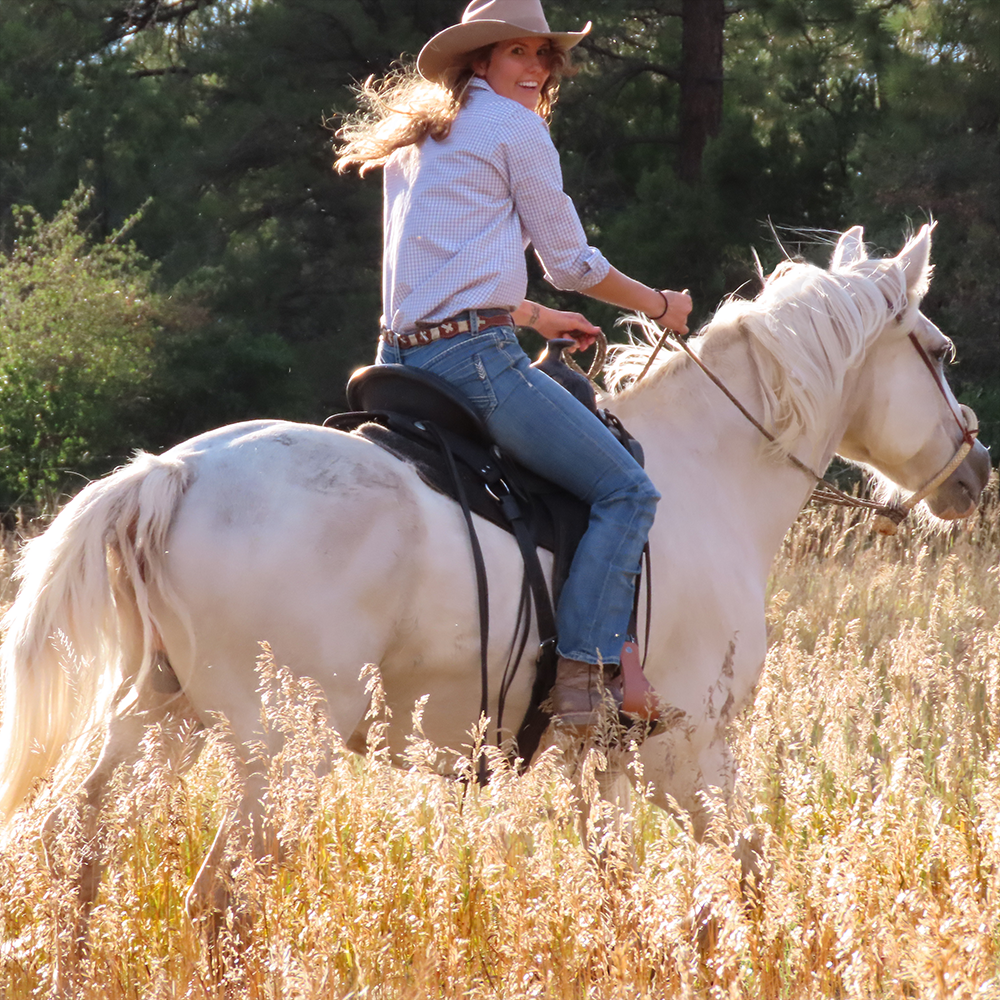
{"x":483,"y":23}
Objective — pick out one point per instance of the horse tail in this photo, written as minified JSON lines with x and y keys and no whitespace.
{"x":81,"y":628}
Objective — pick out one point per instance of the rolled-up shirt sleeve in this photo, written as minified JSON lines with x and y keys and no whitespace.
{"x":548,"y":216}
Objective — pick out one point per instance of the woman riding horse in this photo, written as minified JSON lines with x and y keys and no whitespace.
{"x":470,"y":178}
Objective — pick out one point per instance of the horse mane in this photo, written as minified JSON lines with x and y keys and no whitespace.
{"x":806,"y":330}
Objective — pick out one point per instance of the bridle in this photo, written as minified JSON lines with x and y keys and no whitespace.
{"x":888,"y":516}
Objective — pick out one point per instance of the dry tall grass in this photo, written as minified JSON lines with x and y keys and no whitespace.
{"x":869,"y":767}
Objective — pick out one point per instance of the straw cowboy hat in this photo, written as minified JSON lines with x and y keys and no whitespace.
{"x":483,"y":23}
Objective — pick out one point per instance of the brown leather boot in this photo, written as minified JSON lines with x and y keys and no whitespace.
{"x":578,"y":695}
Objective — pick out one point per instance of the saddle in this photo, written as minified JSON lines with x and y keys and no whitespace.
{"x":419,"y":418}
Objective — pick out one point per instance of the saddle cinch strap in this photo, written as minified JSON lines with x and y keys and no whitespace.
{"x":421,"y":419}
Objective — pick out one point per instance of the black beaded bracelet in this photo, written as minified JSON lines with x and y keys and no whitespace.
{"x":666,"y":306}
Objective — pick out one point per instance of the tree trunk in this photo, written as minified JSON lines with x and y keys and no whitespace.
{"x":701,"y":82}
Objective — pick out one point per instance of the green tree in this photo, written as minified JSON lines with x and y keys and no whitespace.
{"x":936,"y":154}
{"x":793,"y":99}
{"x":221,"y":117}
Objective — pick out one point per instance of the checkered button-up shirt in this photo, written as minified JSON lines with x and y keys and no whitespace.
{"x":459,"y":214}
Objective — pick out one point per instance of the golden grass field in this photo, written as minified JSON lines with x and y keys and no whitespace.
{"x":869,"y":768}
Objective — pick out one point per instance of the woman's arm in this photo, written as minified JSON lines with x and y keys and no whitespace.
{"x":621,"y":290}
{"x":551,"y":323}
{"x":618,"y":289}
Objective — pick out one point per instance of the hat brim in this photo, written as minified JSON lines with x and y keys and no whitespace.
{"x":441,"y":53}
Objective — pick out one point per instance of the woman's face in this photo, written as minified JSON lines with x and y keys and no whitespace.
{"x":518,"y":69}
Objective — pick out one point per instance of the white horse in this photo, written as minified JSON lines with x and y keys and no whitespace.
{"x":338,"y":555}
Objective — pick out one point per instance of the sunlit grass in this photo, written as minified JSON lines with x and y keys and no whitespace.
{"x":869,"y":778}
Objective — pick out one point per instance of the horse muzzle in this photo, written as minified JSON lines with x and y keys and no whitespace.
{"x":958,"y":496}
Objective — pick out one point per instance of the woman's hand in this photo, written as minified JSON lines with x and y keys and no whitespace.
{"x":552,"y":323}
{"x":676,"y":315}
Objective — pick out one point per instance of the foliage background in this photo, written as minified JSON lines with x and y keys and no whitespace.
{"x":259,"y":268}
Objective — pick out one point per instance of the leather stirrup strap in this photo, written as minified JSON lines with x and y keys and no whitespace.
{"x":482,"y":587}
{"x":500,"y":477}
{"x":645,"y":576}
{"x":535,"y":721}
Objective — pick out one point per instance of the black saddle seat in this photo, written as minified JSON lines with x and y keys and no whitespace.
{"x":417,"y":394}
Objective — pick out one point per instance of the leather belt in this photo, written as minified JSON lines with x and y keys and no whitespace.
{"x":449,"y":328}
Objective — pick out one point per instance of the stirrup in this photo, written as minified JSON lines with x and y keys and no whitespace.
{"x":640,"y":705}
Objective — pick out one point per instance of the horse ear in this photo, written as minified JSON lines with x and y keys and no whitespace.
{"x":915,"y":260}
{"x":850,"y":249}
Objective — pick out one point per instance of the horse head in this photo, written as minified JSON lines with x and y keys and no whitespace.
{"x":905,"y":421}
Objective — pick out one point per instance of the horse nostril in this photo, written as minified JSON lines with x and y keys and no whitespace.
{"x":970,"y":505}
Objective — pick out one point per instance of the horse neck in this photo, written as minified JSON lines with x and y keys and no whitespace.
{"x":689,"y":428}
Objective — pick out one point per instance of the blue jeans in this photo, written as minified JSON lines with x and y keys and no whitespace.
{"x":539,"y":423}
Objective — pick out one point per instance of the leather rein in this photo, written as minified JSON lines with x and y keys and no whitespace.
{"x":888,"y":516}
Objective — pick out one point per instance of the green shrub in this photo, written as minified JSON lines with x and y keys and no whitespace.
{"x":78,"y":321}
{"x":95,"y":361}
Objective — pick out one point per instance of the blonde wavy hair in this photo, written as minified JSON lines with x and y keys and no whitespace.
{"x":402,"y":108}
